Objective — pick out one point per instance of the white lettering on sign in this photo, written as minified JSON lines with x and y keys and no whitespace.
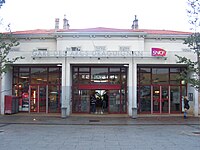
{"x":37,"y":53}
{"x":158,"y":52}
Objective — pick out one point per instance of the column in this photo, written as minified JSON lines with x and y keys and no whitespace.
{"x":134,"y":104}
{"x":64,"y":96}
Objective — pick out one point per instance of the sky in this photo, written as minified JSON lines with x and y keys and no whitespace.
{"x":41,"y":14}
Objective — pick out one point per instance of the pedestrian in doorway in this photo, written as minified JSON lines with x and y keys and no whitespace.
{"x":104,"y":101}
{"x":93,"y":103}
{"x":186,"y":106}
{"x":98,"y":103}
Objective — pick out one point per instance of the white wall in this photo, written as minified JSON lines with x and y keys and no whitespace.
{"x":6,"y":84}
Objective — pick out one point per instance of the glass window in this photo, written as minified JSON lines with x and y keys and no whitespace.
{"x":124,"y":79}
{"x":160,"y":76}
{"x":24,"y":69}
{"x":54,"y":78}
{"x":84,"y":78}
{"x":173,"y":78}
{"x":38,"y":75}
{"x":99,"y":75}
{"x":75,"y":78}
{"x":123,"y":70}
{"x":115,"y":70}
{"x":145,"y":69}
{"x":145,"y":78}
{"x":174,"y":69}
{"x":145,"y":98}
{"x":84,"y":69}
{"x":16,"y":69}
{"x":75,"y":69}
{"x":53,"y":70}
{"x":175,"y":98}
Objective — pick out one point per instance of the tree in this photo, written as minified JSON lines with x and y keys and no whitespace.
{"x":1,"y":2}
{"x":193,"y":42}
{"x":7,"y":42}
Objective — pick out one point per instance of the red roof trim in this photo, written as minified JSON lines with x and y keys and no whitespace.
{"x":101,"y":29}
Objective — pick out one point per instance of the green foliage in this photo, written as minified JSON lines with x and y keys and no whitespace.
{"x":193,"y":12}
{"x":192,"y":72}
{"x":7,"y":42}
{"x":1,"y":2}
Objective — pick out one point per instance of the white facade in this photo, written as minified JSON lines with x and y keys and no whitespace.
{"x":140,"y":42}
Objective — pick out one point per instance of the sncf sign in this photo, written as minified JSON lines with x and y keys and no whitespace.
{"x":158,"y":52}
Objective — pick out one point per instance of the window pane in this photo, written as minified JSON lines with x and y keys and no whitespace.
{"x":24,"y":69}
{"x":84,"y":78}
{"x":174,"y":69}
{"x":175,"y":98}
{"x":99,"y":75}
{"x":84,"y":69}
{"x":52,"y":70}
{"x":114,"y":69}
{"x":145,"y":78}
{"x":160,"y":75}
{"x":145,"y":69}
{"x":145,"y":98}
{"x":38,"y":75}
{"x":173,"y":78}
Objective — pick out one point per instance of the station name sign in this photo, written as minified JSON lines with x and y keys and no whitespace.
{"x":158,"y":52}
{"x":38,"y":53}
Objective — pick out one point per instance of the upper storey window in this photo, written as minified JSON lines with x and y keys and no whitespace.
{"x":74,"y":48}
{"x":77,"y":48}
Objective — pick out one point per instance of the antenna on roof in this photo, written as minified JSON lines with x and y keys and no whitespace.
{"x":135,"y":23}
{"x":65,"y":23}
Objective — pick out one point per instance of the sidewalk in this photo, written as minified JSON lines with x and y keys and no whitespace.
{"x":44,"y":119}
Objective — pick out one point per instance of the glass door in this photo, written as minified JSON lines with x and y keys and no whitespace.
{"x":160,"y":98}
{"x":38,"y":98}
{"x":81,"y":101}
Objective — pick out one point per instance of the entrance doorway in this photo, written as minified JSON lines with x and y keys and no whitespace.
{"x":97,"y":80}
{"x":38,"y":98}
{"x":42,"y":98}
{"x":107,"y":101}
{"x":160,"y":98}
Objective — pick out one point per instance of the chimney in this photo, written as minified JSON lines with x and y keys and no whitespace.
{"x":135,"y":23}
{"x":65,"y":23}
{"x":56,"y":23}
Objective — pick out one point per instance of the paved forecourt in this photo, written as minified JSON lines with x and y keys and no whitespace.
{"x":99,"y":137}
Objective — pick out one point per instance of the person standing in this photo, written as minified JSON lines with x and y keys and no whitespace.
{"x":186,"y":106}
{"x":93,"y":103}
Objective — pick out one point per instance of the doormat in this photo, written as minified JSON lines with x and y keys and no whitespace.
{"x":94,"y":120}
{"x":1,"y":131}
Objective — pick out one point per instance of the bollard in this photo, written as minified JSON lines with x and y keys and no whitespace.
{"x":64,"y":112}
{"x":134,"y":113}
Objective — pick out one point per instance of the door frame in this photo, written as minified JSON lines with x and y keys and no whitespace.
{"x":160,"y":99}
{"x":102,"y":87}
{"x":37,"y":87}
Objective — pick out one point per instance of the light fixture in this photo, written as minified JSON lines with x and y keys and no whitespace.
{"x":59,"y":65}
{"x":182,"y":81}
{"x":157,"y":92}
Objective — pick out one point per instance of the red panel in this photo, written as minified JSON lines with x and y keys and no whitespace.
{"x":98,"y":87}
{"x":8,"y":104}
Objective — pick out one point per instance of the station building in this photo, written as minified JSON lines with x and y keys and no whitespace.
{"x":136,"y":68}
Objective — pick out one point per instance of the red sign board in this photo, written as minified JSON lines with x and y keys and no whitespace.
{"x":158,"y":52}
